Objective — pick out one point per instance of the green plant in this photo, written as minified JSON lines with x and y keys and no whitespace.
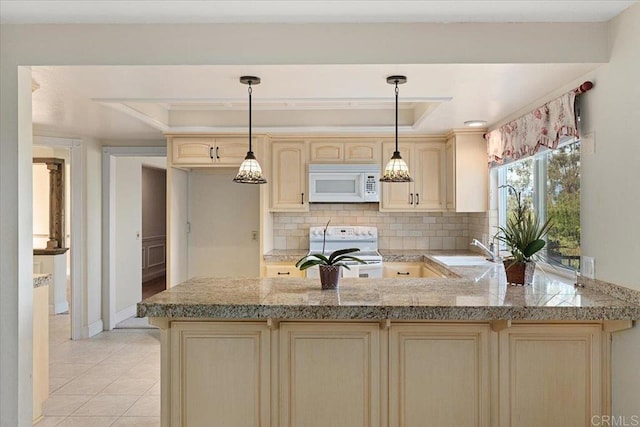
{"x":336,"y":258}
{"x":523,"y":233}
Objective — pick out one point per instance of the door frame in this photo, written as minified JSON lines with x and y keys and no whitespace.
{"x":109,"y":153}
{"x":76,"y":254}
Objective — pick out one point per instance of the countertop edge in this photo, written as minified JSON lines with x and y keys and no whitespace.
{"x":379,"y":313}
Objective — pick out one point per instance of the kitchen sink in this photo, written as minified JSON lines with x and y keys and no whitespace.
{"x":462,"y":260}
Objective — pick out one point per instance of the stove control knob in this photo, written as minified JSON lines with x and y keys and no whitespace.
{"x":370,"y":233}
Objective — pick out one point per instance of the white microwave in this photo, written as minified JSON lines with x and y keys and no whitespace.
{"x":344,"y":183}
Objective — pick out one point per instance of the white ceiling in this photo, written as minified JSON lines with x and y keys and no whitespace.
{"x":125,"y":12}
{"x":135,"y":103}
{"x":132,"y":103}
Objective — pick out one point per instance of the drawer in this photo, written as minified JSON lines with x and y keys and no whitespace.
{"x":283,"y":270}
{"x":404,"y":269}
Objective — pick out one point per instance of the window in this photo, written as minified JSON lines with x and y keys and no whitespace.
{"x":550,"y":185}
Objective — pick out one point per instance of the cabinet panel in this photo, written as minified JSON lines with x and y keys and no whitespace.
{"x":402,"y":269}
{"x":355,"y":152}
{"x":194,"y":151}
{"x":289,"y":171}
{"x":283,"y":270}
{"x":220,"y":374}
{"x":450,"y":165}
{"x":329,"y":374}
{"x":429,"y":177}
{"x":428,"y":272}
{"x":327,"y":151}
{"x":231,"y":151}
{"x":396,"y":196}
{"x":467,"y":175}
{"x":439,"y":373}
{"x":550,"y":375}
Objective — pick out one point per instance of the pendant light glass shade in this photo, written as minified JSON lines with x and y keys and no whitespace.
{"x":396,"y":169}
{"x":250,"y":171}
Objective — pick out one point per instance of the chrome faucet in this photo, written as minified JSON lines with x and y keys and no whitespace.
{"x":490,"y":251}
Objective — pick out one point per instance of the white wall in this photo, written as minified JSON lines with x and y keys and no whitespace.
{"x":209,"y":44}
{"x":223,"y":215}
{"x":610,"y":195}
{"x":610,"y":203}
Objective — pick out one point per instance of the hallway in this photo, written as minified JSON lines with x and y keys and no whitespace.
{"x":112,"y":379}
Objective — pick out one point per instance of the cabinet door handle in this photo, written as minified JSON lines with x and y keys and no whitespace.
{"x":417,"y":199}
{"x":411,"y":198}
{"x":399,"y":273}
{"x":284,"y":274}
{"x":302,"y":198}
{"x":217,"y":153}
{"x":211,"y":152}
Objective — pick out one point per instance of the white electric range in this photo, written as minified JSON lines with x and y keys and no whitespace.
{"x":343,"y":237}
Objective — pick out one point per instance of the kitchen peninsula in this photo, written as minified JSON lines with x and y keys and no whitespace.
{"x":462,"y":350}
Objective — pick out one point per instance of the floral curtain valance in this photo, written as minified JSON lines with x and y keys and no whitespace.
{"x":543,"y":127}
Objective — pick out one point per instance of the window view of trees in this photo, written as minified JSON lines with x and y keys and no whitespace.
{"x":550,"y":185}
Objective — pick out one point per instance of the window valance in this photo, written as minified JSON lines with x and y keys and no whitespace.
{"x":542,"y":128}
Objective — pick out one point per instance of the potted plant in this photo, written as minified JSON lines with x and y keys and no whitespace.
{"x":523,"y":235}
{"x":329,"y":266}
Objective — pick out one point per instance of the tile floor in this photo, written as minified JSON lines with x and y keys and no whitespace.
{"x":112,"y":379}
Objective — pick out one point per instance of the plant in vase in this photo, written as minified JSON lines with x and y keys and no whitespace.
{"x":523,"y":234}
{"x":329,"y":266}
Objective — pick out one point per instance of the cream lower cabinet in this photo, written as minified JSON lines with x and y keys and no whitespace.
{"x":329,"y":374}
{"x":550,"y":375}
{"x":439,"y":375}
{"x":282,"y":270}
{"x":408,"y":270}
{"x":220,"y":374}
{"x":402,"y":269}
{"x":381,"y":374}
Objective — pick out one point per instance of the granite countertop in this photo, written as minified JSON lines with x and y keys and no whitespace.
{"x":284,"y":255}
{"x":477,"y":293}
{"x":41,"y":280}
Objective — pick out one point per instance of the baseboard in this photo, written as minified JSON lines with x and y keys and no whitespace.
{"x":125,"y":314}
{"x":61,"y":307}
{"x":93,"y":329}
{"x":154,"y":275}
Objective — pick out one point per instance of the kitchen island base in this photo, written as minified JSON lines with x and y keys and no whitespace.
{"x":384,"y":373}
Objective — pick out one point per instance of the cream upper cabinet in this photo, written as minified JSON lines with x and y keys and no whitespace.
{"x":211,"y":151}
{"x":347,"y":152}
{"x":192,"y":150}
{"x":467,"y":175}
{"x":232,"y":151}
{"x":429,"y":178}
{"x":289,"y":177}
{"x":426,"y":162}
{"x":550,"y":375}
{"x":439,"y":375}
{"x":329,"y":374}
{"x":330,"y":152}
{"x":365,"y":152}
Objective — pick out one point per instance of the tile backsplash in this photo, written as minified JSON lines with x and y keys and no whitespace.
{"x":396,"y":230}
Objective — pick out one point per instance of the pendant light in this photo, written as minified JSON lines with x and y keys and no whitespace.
{"x":250,"y":171}
{"x":396,"y":169}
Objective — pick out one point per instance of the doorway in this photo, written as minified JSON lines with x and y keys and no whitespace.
{"x":154,"y":227}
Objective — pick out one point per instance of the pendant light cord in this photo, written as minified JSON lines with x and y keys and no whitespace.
{"x":250,"y":150}
{"x":397,"y":90}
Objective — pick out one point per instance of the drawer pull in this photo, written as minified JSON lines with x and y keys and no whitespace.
{"x":403,"y":274}
{"x":284,"y":274}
